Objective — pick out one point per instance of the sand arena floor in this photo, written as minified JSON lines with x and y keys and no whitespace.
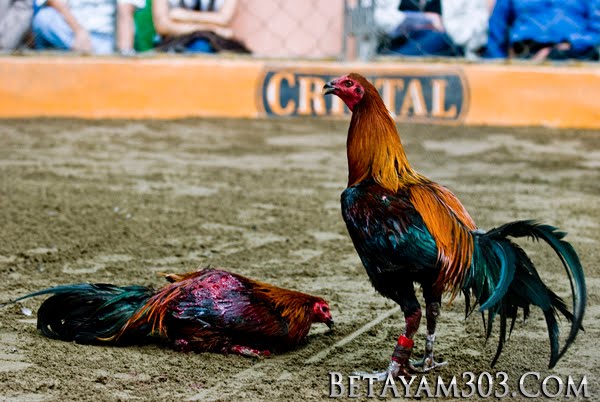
{"x":121,"y":201}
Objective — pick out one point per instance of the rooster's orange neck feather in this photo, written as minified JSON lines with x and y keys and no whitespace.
{"x":374,"y":148}
{"x":295,"y":308}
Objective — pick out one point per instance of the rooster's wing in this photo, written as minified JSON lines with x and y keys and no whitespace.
{"x":387,"y":231}
{"x":220,"y":301}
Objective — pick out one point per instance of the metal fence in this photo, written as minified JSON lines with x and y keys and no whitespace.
{"x":292,"y":29}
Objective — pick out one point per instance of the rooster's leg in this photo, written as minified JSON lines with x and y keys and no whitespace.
{"x":431,"y":314}
{"x":248,"y":351}
{"x":182,"y":345}
{"x":400,"y":363}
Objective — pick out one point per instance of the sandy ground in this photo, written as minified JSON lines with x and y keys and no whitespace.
{"x":121,"y":201}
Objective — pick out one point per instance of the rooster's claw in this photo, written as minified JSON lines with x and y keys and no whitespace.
{"x":249,"y":352}
{"x":426,"y":364}
{"x":394,"y":370}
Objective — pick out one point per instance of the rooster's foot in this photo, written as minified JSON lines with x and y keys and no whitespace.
{"x":248,"y":351}
{"x":182,"y":345}
{"x":394,"y":370}
{"x":428,"y":363}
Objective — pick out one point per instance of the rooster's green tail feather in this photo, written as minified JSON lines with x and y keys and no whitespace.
{"x":503,"y":278}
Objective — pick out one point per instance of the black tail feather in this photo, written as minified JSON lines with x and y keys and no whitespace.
{"x":484,"y":325}
{"x":512,"y":325}
{"x":502,"y":337}
{"x":553,"y":335}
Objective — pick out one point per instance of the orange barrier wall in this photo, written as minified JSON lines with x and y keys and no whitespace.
{"x":121,"y":88}
{"x":172,"y":87}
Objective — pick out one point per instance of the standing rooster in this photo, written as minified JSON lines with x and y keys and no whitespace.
{"x":409,"y":229}
{"x":206,"y":311}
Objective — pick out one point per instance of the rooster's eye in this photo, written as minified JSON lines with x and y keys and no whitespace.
{"x":324,"y":309}
{"x":348,"y":83}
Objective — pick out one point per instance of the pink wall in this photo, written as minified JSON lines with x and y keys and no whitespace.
{"x":280,"y":28}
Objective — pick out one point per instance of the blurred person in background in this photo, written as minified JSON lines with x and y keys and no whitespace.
{"x":433,"y":27}
{"x":86,"y":26}
{"x":145,"y":34}
{"x":195,"y":26}
{"x":466,"y":22}
{"x":15,"y":21}
{"x":545,"y":29}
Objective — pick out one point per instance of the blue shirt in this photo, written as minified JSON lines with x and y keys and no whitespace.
{"x":544,"y":21}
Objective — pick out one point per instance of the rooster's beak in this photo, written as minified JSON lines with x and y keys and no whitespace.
{"x":329,"y":324}
{"x":328,"y":88}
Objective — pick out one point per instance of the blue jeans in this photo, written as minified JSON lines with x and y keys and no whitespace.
{"x":427,"y":43}
{"x":200,"y":46}
{"x":51,"y":31}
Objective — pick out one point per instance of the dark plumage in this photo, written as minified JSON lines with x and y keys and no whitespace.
{"x":408,"y":229}
{"x":209,"y":310}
